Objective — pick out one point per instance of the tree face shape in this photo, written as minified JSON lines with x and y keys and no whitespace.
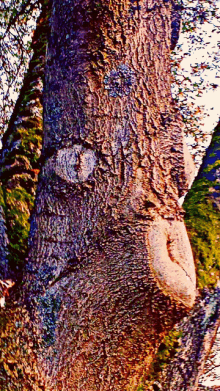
{"x":109,"y":255}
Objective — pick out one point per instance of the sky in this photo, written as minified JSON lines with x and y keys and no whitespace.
{"x":210,"y":98}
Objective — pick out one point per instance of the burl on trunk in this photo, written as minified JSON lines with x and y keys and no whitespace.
{"x":110,"y":266}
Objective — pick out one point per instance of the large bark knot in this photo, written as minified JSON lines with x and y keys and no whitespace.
{"x":171,"y":260}
{"x":73,"y":165}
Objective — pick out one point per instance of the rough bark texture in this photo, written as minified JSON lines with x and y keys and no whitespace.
{"x":114,"y":168}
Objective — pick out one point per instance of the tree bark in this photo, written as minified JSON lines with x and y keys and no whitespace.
{"x":110,"y":267}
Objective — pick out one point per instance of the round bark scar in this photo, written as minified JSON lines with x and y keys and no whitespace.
{"x":75,"y":164}
{"x":171,"y":260}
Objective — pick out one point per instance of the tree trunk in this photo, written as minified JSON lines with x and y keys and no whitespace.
{"x":110,"y":267}
{"x":21,"y":150}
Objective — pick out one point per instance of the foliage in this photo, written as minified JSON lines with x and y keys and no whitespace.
{"x":196,"y":12}
{"x":193,"y":60}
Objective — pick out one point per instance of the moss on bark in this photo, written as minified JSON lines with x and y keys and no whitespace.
{"x":202,"y":206}
{"x":21,"y":151}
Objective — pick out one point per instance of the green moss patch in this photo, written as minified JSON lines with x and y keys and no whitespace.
{"x":166,"y":351}
{"x":31,"y":143}
{"x":203,"y":225}
{"x":19,"y":205}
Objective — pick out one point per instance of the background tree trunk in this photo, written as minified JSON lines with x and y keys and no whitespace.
{"x":198,"y":335}
{"x":21,"y":150}
{"x":202,"y":218}
{"x":3,"y":240}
